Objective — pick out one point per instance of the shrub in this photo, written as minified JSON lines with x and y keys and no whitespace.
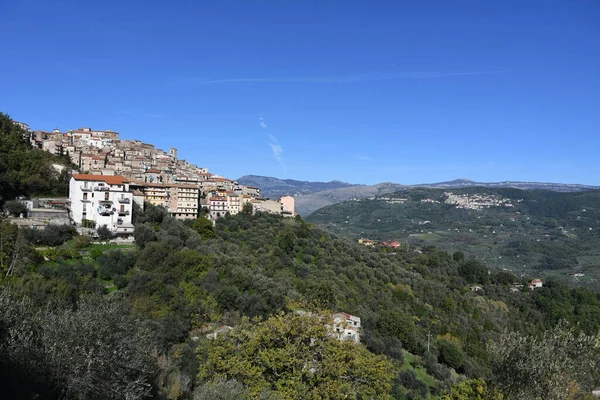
{"x":82,"y":241}
{"x":15,"y":208}
{"x":104,"y":233}
{"x":88,"y":223}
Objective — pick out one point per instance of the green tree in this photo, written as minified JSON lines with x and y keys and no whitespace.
{"x":15,"y":208}
{"x":458,"y":256}
{"x":24,"y":170}
{"x":104,"y":233}
{"x":220,"y":390}
{"x":473,"y":271}
{"x":8,"y":238}
{"x":94,"y":351}
{"x":474,"y":389}
{"x":559,"y":364}
{"x":143,"y":234}
{"x":450,"y":353}
{"x":247,"y":209}
{"x":295,"y":356}
{"x":152,"y":214}
{"x":114,"y":263}
{"x":398,"y":324}
{"x":204,"y":227}
{"x":325,"y":295}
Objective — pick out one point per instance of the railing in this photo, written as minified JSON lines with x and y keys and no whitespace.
{"x":86,"y":188}
{"x":105,"y":201}
{"x":123,"y":212}
{"x":124,"y":200}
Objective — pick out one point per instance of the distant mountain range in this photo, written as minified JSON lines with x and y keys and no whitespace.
{"x":311,"y":196}
{"x":275,"y":187}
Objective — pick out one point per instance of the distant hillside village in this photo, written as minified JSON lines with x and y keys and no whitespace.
{"x":115,"y":174}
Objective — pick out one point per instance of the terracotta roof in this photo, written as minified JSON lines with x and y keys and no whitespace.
{"x":110,"y":179}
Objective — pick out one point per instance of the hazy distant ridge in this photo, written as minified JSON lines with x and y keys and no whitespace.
{"x":275,"y":187}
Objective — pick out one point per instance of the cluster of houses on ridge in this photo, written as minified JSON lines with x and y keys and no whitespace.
{"x":475,"y":201}
{"x":99,"y":200}
{"x":117,"y":173}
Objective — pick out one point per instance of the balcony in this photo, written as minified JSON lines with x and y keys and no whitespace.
{"x":123,"y":212}
{"x":86,"y":188}
{"x":105,"y":201}
{"x":84,"y":200}
{"x":124,"y":200}
{"x":105,"y":212}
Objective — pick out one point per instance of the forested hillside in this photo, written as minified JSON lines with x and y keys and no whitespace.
{"x":531,"y":231}
{"x":24,"y":170}
{"x":82,"y":320}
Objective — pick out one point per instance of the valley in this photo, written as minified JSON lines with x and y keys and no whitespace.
{"x":523,"y":231}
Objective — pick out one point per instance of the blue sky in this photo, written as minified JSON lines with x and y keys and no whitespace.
{"x":359,"y":91}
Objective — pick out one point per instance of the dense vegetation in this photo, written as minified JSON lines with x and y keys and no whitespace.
{"x":182,"y":281}
{"x":84,"y":320}
{"x":24,"y":170}
{"x":542,"y":232}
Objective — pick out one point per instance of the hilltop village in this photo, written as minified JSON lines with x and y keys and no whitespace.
{"x":114,"y":174}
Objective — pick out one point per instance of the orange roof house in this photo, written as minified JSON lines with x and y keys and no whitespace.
{"x":110,"y":179}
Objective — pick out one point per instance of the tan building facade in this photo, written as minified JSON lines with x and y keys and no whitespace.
{"x":185,"y":201}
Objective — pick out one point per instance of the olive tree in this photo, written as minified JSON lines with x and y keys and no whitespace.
{"x":94,"y":351}
{"x":556,"y":365}
{"x":296,"y":357}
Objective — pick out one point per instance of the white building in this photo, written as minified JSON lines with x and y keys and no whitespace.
{"x":346,"y":327}
{"x":106,"y":200}
{"x":536,"y":283}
